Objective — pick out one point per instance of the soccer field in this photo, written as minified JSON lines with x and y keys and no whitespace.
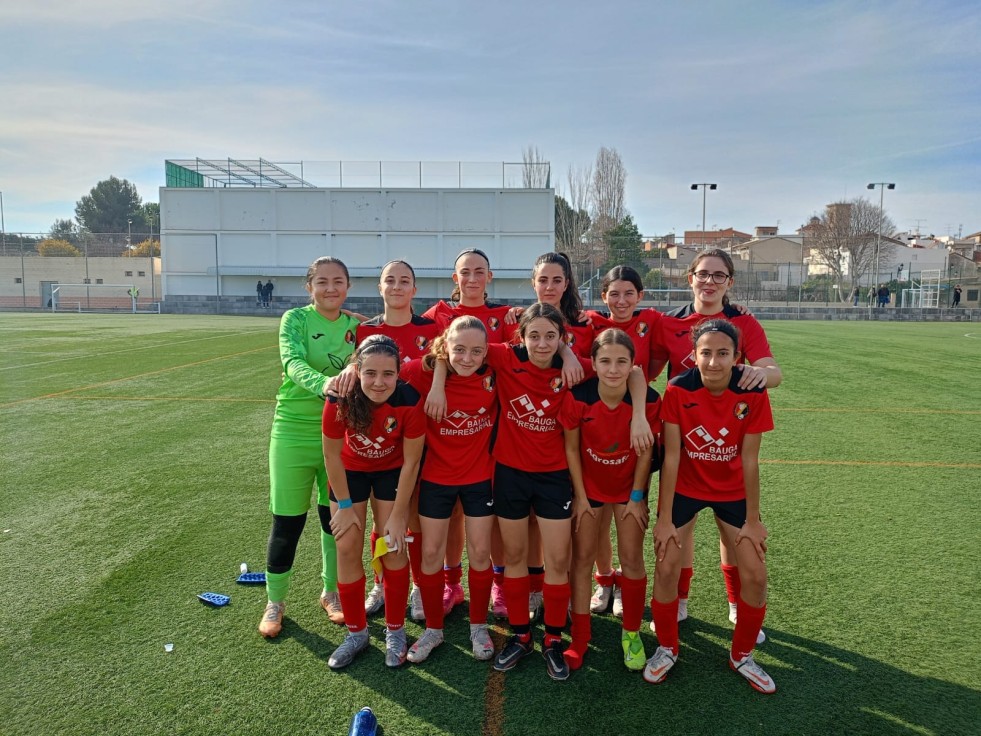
{"x":135,"y":477}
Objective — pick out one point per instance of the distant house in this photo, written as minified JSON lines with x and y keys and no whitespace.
{"x":715,"y":238}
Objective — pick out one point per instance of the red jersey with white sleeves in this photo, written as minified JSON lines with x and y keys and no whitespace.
{"x":529,"y":437}
{"x":413,"y":338}
{"x":608,"y":462}
{"x":458,"y":446}
{"x":641,"y":328}
{"x":712,"y":432}
{"x":490,"y":313}
{"x":673,"y":340}
{"x":380,"y":448}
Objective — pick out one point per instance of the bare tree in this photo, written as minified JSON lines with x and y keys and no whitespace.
{"x":535,"y":169}
{"x":609,"y":187}
{"x":572,"y":218}
{"x":844,"y":241}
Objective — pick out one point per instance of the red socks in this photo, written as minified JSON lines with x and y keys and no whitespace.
{"x":556,"y":599}
{"x":632,"y":591}
{"x":749,"y":621}
{"x":453,"y":575}
{"x":730,"y":573}
{"x":352,"y":603}
{"x":431,"y":587}
{"x":605,"y":580}
{"x":480,"y":582}
{"x":396,"y":583}
{"x":516,"y":591}
{"x":684,"y":582}
{"x":666,"y":623}
{"x":581,"y":635}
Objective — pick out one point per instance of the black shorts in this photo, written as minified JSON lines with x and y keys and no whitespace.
{"x":593,"y":504}
{"x":363,"y":483}
{"x":686,"y":508}
{"x":517,"y":492}
{"x":436,"y":501}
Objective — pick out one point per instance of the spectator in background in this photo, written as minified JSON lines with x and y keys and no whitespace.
{"x":872,"y":296}
{"x":855,"y":297}
{"x":258,"y":293}
{"x":957,"y":296}
{"x":267,"y":291}
{"x":883,"y":296}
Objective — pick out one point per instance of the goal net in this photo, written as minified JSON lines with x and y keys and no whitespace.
{"x":100,"y":298}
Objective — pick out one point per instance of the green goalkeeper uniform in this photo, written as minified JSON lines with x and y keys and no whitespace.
{"x":312,"y":349}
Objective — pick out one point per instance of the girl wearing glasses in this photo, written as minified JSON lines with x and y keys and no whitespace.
{"x":710,"y":277}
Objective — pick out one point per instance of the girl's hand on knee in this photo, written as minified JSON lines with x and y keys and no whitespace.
{"x":342,"y":520}
{"x":640,"y":512}
{"x":755,"y":533}
{"x":664,"y":534}
{"x":580,"y":507}
{"x":395,"y":530}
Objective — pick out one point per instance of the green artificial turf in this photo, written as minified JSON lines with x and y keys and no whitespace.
{"x":135,"y":477}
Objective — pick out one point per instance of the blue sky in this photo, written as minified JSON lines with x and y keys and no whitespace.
{"x":787,"y":106}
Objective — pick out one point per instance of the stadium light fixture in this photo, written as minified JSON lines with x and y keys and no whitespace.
{"x":883,"y":186}
{"x":705,"y":187}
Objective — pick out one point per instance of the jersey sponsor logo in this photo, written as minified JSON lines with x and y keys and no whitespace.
{"x":373,"y":449}
{"x":700,"y":444}
{"x":526,"y":415}
{"x":336,"y":362}
{"x":611,"y":455}
{"x":464,"y":424}
{"x":488,"y":383}
{"x":349,"y":337}
{"x":741,"y":411}
{"x":641,"y":328}
{"x":519,"y":370}
{"x":523,"y":407}
{"x":692,"y":405}
{"x":556,"y":384}
{"x":689,"y":361}
{"x":493,"y":324}
{"x":390,"y":424}
{"x":681,"y":334}
{"x":317,"y":336}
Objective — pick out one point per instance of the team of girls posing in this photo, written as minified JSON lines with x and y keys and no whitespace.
{"x":591,"y":462}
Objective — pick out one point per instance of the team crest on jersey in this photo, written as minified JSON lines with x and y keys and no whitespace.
{"x":741,"y":410}
{"x":421,"y":342}
{"x":556,"y":384}
{"x":349,"y":337}
{"x":493,"y":323}
{"x":390,"y":424}
{"x":488,"y":382}
{"x":641,"y":328}
{"x":570,"y":339}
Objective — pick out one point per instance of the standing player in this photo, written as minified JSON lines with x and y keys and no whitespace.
{"x":712,"y":434}
{"x":457,"y":471}
{"x":314,"y":343}
{"x":471,"y":274}
{"x":373,"y":443}
{"x":710,"y":276}
{"x":621,"y":290}
{"x":607,"y":473}
{"x":413,"y":335}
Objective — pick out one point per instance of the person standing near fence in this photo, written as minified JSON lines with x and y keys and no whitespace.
{"x":855,"y":297}
{"x":258,"y":293}
{"x":957,"y":296}
{"x":267,"y":291}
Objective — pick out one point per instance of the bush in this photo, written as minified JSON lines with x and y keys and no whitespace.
{"x":55,"y":247}
{"x":145,"y":249}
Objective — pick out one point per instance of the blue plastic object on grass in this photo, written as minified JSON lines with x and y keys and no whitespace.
{"x":252,"y":578}
{"x":215,"y":599}
{"x":364,"y":723}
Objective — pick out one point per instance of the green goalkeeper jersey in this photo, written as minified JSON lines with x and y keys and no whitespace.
{"x":312,"y":349}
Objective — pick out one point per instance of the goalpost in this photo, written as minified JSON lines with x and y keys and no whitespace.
{"x":927,"y":295}
{"x":100,"y":298}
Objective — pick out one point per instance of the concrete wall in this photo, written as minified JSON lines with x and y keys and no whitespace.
{"x":22,"y":280}
{"x":220,"y":241}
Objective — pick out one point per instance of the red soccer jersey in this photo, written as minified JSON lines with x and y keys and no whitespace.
{"x":458,"y":447}
{"x":641,"y":328}
{"x":529,"y":437}
{"x":491,"y":314}
{"x":608,"y":462}
{"x":579,"y":337}
{"x":380,"y":448}
{"x":413,"y":338}
{"x":712,"y":432}
{"x":673,"y":340}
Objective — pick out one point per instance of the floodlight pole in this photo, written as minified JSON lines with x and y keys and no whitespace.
{"x":883,"y":185}
{"x":705,"y":187}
